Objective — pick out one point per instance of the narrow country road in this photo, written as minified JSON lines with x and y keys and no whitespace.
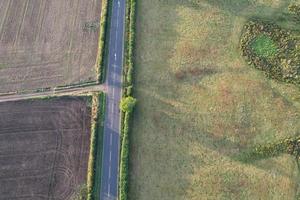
{"x":111,"y":141}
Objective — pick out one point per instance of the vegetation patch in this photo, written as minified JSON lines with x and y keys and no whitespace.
{"x":273,"y":50}
{"x":286,"y":146}
{"x":264,"y":46}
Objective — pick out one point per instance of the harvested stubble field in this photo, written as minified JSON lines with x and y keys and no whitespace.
{"x":44,"y":148}
{"x":200,"y":105}
{"x":47,"y":43}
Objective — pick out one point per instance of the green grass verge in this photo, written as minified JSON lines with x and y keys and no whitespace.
{"x":264,"y":46}
{"x":100,"y":130}
{"x":95,"y":156}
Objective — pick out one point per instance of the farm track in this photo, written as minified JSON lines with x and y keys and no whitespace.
{"x":64,"y":92}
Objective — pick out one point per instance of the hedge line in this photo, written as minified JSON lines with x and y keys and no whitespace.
{"x":286,"y":146}
{"x":123,"y":182}
{"x":93,"y":184}
{"x":127,"y":91}
{"x":129,"y":54}
{"x":100,"y":68}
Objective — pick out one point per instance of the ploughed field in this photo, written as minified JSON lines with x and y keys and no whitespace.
{"x":47,"y":43}
{"x":44,"y":148}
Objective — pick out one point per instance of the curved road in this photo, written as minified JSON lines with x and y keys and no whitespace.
{"x":111,"y":141}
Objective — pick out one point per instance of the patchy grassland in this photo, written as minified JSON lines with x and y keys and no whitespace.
{"x":201,"y":105}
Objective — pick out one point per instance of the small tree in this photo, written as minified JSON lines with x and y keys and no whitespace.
{"x":127,"y":104}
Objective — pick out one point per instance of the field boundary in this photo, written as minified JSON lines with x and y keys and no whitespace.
{"x":127,"y":92}
{"x":103,"y":41}
{"x":95,"y":156}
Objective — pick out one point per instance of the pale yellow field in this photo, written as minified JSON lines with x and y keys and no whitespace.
{"x":200,"y":105}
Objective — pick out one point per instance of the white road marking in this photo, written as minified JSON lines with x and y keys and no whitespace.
{"x":109,"y":173}
{"x":113,"y":92}
{"x":110,"y":139}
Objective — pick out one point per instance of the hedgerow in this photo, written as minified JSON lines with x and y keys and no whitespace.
{"x":100,"y":68}
{"x":285,"y":62}
{"x":286,"y":146}
{"x":129,"y":68}
{"x":127,"y":95}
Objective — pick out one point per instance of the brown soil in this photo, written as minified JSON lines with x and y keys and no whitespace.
{"x":44,"y":148}
{"x":47,"y":43}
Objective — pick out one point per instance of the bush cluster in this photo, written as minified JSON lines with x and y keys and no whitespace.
{"x":284,"y":65}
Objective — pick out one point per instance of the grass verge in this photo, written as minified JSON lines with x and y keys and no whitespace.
{"x":95,"y":157}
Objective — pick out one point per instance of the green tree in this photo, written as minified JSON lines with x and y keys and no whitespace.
{"x":127,"y":104}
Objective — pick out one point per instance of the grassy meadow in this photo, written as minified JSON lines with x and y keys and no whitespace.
{"x":200,"y":105}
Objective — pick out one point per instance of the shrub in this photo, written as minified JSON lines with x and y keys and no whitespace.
{"x":127,"y":104}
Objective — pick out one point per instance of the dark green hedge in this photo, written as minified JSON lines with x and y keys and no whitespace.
{"x":100,"y":66}
{"x":128,"y":73}
{"x":123,"y":182}
{"x":129,"y":68}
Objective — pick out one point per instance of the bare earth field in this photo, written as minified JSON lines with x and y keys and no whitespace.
{"x":47,"y":43}
{"x":200,"y":105}
{"x":44,"y":148}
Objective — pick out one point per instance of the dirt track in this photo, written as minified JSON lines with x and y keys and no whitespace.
{"x":44,"y":148}
{"x":47,"y":43}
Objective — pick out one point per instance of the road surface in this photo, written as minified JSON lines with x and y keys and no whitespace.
{"x":111,"y":142}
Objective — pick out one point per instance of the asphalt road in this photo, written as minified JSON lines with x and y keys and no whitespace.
{"x":111,"y":143}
